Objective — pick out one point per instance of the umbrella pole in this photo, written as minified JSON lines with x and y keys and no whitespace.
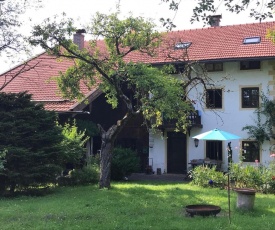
{"x":228,"y":192}
{"x":228,"y":180}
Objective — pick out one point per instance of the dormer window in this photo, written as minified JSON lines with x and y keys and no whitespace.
{"x":252,"y":40}
{"x":182,"y":45}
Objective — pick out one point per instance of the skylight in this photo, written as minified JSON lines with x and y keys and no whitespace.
{"x":252,"y":40}
{"x":183,"y":45}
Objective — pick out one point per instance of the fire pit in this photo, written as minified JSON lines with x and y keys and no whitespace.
{"x":202,"y":210}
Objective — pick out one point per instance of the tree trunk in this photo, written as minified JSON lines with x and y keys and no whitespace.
{"x":107,"y":145}
{"x":12,"y":187}
{"x":105,"y":163}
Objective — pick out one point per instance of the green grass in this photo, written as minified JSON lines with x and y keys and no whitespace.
{"x":142,"y":205}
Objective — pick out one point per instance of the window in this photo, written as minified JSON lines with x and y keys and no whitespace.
{"x":214,"y":98}
{"x":250,"y":97}
{"x":214,"y":150}
{"x":183,"y":45}
{"x":250,"y":151}
{"x":212,"y":67}
{"x":252,"y":40}
{"x":179,"y":68}
{"x":245,"y":65}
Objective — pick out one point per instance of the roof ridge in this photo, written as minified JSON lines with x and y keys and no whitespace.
{"x":217,"y":27}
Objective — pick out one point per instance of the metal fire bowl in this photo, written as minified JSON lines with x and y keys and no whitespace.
{"x":202,"y":210}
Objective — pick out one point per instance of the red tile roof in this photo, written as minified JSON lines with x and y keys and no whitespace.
{"x":58,"y":106}
{"x":216,"y":43}
{"x":38,"y":81}
{"x":208,"y":44}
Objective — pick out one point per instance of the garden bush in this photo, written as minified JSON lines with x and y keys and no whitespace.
{"x":246,"y":176}
{"x":260,"y":177}
{"x":207,"y":177}
{"x":89,"y":174}
{"x":124,"y":163}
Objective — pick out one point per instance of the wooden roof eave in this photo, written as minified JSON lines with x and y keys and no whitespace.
{"x":79,"y":106}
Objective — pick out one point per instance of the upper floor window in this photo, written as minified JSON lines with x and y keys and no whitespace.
{"x":214,"y":98}
{"x":250,"y":151}
{"x":250,"y":97}
{"x":212,"y":67}
{"x":245,"y":65}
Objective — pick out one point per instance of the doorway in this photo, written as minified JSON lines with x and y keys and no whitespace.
{"x":176,"y":153}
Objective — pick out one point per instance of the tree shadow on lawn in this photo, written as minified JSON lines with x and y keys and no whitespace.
{"x":182,"y":194}
{"x":35,"y":192}
{"x":172,"y":194}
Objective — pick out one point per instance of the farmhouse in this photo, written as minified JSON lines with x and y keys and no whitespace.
{"x":240,"y":59}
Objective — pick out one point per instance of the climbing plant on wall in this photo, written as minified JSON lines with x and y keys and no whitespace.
{"x":265,"y":121}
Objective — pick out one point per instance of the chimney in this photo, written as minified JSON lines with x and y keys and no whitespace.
{"x":214,"y":20}
{"x":79,"y":38}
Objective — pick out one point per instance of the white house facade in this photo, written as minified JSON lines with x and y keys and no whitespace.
{"x":242,"y":66}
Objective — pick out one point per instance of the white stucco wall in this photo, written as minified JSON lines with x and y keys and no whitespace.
{"x":232,"y":118}
{"x":157,"y":152}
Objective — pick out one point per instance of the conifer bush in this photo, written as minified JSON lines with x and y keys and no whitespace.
{"x":31,"y":141}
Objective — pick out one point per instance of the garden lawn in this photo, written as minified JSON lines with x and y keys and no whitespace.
{"x":131,"y":205}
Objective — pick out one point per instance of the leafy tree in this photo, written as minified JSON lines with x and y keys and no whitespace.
{"x":73,"y":144}
{"x":12,"y":41}
{"x":259,"y":9}
{"x":30,"y":140}
{"x":106,"y":63}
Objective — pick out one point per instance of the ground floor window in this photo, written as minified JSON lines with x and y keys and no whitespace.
{"x":214,"y":150}
{"x":250,"y":151}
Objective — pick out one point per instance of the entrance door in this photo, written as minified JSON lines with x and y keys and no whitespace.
{"x":176,"y":152}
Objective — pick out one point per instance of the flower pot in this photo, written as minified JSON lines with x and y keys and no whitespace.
{"x":245,"y":198}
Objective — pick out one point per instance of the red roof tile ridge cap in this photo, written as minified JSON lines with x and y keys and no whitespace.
{"x":217,"y":27}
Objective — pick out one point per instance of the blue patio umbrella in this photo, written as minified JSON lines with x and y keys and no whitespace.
{"x":219,"y":135}
{"x":216,"y":134}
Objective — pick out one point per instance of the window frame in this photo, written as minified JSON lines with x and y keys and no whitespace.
{"x":252,"y":40}
{"x":207,"y":104}
{"x":255,"y":149}
{"x":182,"y":45}
{"x":214,"y":150}
{"x":250,"y":106}
{"x":250,"y":65}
